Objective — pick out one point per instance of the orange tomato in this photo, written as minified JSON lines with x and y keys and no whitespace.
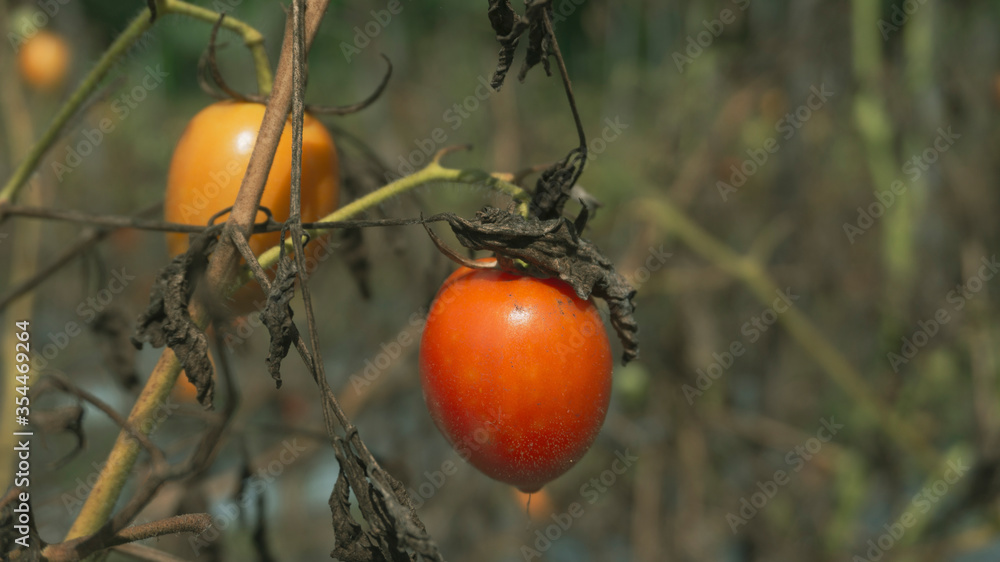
{"x":209,"y":163}
{"x":516,"y":373}
{"x":43,"y":61}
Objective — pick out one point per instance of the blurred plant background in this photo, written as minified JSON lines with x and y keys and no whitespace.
{"x":840,"y":153}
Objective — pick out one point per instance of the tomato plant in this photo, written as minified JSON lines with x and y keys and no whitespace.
{"x":516,"y":372}
{"x":43,"y":61}
{"x":209,"y":162}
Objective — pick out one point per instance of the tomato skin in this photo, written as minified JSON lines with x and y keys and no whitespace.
{"x":43,"y":61}
{"x":516,"y":373}
{"x":209,"y":163}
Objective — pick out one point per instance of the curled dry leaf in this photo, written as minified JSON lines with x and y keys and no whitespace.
{"x":552,"y":248}
{"x":394,"y":527}
{"x":277,"y":316}
{"x":509,"y":26}
{"x":166,"y":321}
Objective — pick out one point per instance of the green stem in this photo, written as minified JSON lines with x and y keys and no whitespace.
{"x":253,"y":39}
{"x":434,"y":172}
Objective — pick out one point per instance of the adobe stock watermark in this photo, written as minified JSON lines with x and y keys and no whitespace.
{"x":391,"y":350}
{"x":914,"y":168}
{"x":795,"y":461}
{"x":696,"y":44}
{"x":74,"y":501}
{"x":34,"y":22}
{"x":655,"y":260}
{"x":611,"y":132}
{"x":899,"y":17}
{"x":920,"y":505}
{"x":957,"y":298}
{"x":121,"y":107}
{"x":591,"y":491}
{"x":455,"y":116}
{"x":87,"y":311}
{"x":256,"y":484}
{"x":364,"y":34}
{"x":434,"y":481}
{"x":787,"y":126}
{"x":752,"y":329}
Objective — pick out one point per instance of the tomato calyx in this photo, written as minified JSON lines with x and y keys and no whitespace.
{"x":548,"y":248}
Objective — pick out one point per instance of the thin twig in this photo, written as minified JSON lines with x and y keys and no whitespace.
{"x":87,"y":241}
{"x":356,"y":107}
{"x":149,"y":554}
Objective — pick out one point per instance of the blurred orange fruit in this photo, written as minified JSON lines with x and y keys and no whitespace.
{"x":43,"y":61}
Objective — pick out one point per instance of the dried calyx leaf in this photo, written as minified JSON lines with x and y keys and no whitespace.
{"x":112,"y":329}
{"x":166,"y":321}
{"x":553,"y":248}
{"x":277,"y":316}
{"x":509,"y":26}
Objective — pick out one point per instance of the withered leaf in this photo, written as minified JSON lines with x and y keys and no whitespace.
{"x":508,"y":27}
{"x":553,"y":248}
{"x":539,"y":39}
{"x":277,"y":316}
{"x":166,"y":321}
{"x":382,"y":500}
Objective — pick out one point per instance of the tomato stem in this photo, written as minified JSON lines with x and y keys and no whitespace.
{"x":251,"y":38}
{"x":432,"y":173}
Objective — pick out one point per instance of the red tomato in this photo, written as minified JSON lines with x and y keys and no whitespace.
{"x":516,"y":372}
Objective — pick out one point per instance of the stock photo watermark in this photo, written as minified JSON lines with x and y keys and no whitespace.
{"x":921,"y":504}
{"x":957,"y":298}
{"x":900,"y":15}
{"x":87,"y":311}
{"x":696,"y":44}
{"x":914,"y":168}
{"x":787,"y":126}
{"x":121,"y":107}
{"x":364,"y":34}
{"x":256,"y":484}
{"x":591,"y":491}
{"x":74,"y":501}
{"x":752,"y":329}
{"x":32,"y":23}
{"x":795,"y":461}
